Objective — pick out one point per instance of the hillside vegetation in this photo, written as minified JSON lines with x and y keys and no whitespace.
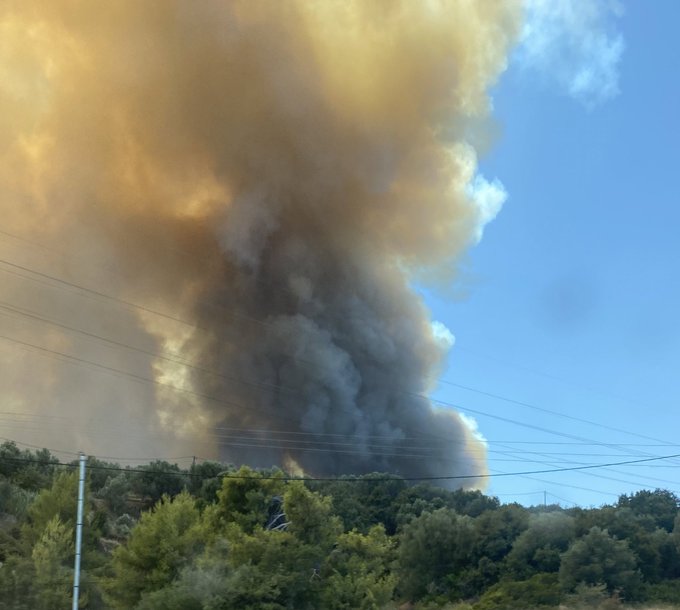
{"x":216,"y":537}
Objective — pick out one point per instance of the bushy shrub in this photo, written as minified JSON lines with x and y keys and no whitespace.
{"x":666,"y":591}
{"x":540,"y":591}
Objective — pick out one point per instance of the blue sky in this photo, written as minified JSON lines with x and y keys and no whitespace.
{"x":570,"y":302}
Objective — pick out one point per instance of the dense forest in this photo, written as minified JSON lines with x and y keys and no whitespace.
{"x":219,"y":537}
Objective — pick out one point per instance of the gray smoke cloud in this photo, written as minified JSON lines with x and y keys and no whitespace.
{"x":256,"y":184}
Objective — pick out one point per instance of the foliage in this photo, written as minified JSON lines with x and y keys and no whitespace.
{"x":29,"y":470}
{"x":365,"y":501}
{"x":432,"y":549}
{"x":115,"y":492}
{"x":666,"y":591}
{"x":415,"y":500}
{"x":247,"y":498}
{"x":540,"y":591}
{"x":309,"y":516}
{"x":157,"y":479}
{"x":214,"y":537}
{"x":52,"y":556}
{"x":357,"y":572}
{"x":205,"y":482}
{"x":17,"y":578}
{"x":496,"y":531}
{"x":163,"y":542}
{"x":14,"y":500}
{"x":57,"y":501}
{"x":661,"y":505}
{"x":591,"y":596}
{"x":538,"y":548}
{"x":598,"y":558}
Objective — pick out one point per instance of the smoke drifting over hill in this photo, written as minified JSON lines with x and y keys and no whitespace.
{"x":270,"y":176}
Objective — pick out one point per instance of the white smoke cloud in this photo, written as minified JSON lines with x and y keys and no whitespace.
{"x":443,"y":335}
{"x":489,"y":198}
{"x":575,"y":44}
{"x":472,"y":425}
{"x":486,"y":197}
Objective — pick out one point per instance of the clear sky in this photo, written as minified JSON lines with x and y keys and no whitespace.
{"x":570,"y":302}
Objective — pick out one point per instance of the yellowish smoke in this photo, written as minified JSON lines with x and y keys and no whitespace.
{"x":246,"y":190}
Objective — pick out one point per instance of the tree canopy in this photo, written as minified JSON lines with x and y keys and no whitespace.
{"x":219,"y":537}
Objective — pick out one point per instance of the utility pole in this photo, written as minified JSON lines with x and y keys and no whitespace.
{"x":79,"y":531}
{"x":545,"y":499}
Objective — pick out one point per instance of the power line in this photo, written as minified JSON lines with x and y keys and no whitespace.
{"x":183,"y":362}
{"x":552,"y":376}
{"x":299,"y":448}
{"x":338,"y":447}
{"x":549,"y":411}
{"x":571,"y":486}
{"x":496,"y":473}
{"x":552,"y":495}
{"x":147,"y":380}
{"x":527,"y":425}
{"x":269,"y":431}
{"x":288,"y":445}
{"x":605,"y":477}
{"x":488,"y":475}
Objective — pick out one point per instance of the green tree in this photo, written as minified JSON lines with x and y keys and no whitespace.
{"x":652,"y":545}
{"x":11,"y":459}
{"x":309,"y":517}
{"x":99,"y":472}
{"x":59,"y":500}
{"x":267,"y":549}
{"x":14,"y":500}
{"x":205,"y":481}
{"x":17,"y":583}
{"x":497,"y":530}
{"x":29,"y":470}
{"x":52,"y":559}
{"x":262,"y":570}
{"x":661,"y":505}
{"x":157,"y":479}
{"x":272,"y":570}
{"x":164,"y":541}
{"x":279,"y":567}
{"x":415,"y":500}
{"x":495,"y":533}
{"x":472,"y":502}
{"x":539,"y":547}
{"x":247,"y":498}
{"x":356,"y":574}
{"x":203,"y":585}
{"x":364,"y":501}
{"x":115,"y":492}
{"x":433,"y":548}
{"x":598,"y":558}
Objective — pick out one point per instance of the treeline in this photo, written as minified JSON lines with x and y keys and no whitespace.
{"x":215,"y":537}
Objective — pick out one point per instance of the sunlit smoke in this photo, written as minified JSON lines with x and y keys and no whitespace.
{"x":250,"y":188}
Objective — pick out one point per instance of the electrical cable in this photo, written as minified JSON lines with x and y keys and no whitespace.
{"x":488,"y":475}
{"x":274,"y":386}
{"x":290,"y":447}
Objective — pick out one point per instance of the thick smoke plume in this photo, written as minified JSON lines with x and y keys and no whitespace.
{"x":246,"y":191}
